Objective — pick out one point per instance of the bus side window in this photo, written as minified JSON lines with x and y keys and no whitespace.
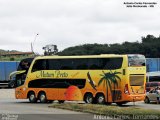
{"x":39,"y":65}
{"x":112,"y":63}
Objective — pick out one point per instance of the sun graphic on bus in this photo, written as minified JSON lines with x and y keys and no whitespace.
{"x":73,"y":93}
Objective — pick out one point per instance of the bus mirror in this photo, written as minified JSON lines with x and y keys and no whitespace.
{"x":12,"y":74}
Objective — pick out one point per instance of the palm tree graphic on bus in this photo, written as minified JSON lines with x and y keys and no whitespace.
{"x":108,"y":79}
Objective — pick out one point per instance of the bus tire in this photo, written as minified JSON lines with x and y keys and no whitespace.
{"x":61,"y":101}
{"x":42,"y":97}
{"x":88,"y":98}
{"x":100,"y":99}
{"x":32,"y":97}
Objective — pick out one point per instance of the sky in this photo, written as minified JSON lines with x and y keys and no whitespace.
{"x":67,"y":23}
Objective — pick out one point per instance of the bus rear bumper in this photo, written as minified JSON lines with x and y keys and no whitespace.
{"x":134,"y":98}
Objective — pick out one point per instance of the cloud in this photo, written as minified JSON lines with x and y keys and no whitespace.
{"x":72,"y":22}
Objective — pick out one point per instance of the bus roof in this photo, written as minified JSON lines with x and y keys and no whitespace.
{"x":80,"y":56}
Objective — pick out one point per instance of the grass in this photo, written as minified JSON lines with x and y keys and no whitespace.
{"x":126,"y":113}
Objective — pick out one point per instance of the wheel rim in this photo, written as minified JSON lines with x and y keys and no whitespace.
{"x":43,"y":98}
{"x":89,"y":99}
{"x":32,"y":97}
{"x":100,"y":99}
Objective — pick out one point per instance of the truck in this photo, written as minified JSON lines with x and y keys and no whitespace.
{"x":6,"y":67}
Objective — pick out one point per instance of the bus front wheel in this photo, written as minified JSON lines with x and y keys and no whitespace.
{"x":88,"y":98}
{"x":42,"y":97}
{"x":32,"y":97}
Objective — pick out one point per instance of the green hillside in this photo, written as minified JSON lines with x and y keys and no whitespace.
{"x":148,"y":46}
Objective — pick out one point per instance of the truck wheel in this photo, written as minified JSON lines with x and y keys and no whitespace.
{"x":32,"y":97}
{"x":11,"y":85}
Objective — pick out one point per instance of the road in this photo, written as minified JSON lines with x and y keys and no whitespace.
{"x":152,"y":106}
{"x":11,"y":107}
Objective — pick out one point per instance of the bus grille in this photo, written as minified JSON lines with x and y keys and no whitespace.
{"x":136,"y":80}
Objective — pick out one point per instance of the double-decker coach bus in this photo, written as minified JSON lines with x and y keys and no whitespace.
{"x":107,"y":78}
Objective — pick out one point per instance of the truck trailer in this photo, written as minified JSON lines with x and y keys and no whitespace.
{"x":6,"y":67}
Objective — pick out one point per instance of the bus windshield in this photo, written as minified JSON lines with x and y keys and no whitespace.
{"x":22,"y":71}
{"x":136,"y":60}
{"x":25,"y":64}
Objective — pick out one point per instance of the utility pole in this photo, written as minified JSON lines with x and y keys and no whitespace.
{"x":32,"y":43}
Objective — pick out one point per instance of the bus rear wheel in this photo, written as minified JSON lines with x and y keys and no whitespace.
{"x":32,"y":97}
{"x":88,"y":98}
{"x":42,"y":97}
{"x":100,"y":99}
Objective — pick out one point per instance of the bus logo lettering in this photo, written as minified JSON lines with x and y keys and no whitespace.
{"x":60,"y":74}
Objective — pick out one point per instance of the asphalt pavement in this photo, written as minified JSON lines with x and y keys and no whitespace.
{"x":13,"y":109}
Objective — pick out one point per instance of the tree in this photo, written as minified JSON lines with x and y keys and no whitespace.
{"x":150,"y":47}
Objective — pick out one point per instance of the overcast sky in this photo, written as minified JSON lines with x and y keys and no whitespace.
{"x":73,"y":22}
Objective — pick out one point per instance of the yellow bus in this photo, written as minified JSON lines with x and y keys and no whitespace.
{"x":106,"y":78}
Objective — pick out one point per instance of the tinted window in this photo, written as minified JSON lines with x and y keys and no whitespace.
{"x":81,"y":64}
{"x":85,"y":64}
{"x":54,"y":64}
{"x":80,"y":83}
{"x":112,"y":63}
{"x":56,"y":83}
{"x":40,"y":65}
{"x":66,"y":64}
{"x":95,"y":64}
{"x":25,"y":64}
